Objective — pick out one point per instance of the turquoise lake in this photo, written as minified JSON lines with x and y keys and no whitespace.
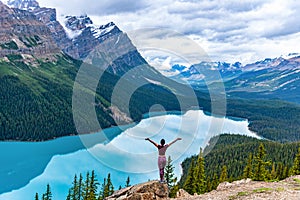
{"x":27,"y":167}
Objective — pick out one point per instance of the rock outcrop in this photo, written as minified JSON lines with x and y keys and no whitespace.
{"x":145,"y":191}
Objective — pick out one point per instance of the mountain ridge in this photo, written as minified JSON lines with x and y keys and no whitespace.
{"x":266,"y":79}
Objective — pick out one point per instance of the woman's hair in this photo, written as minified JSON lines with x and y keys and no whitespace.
{"x":162,"y":143}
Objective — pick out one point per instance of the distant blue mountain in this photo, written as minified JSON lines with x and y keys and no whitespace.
{"x":268,"y":78}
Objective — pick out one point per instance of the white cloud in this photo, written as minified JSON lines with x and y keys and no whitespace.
{"x":95,"y":7}
{"x":227,"y":30}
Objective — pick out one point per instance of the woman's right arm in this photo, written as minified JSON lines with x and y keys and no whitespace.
{"x":155,"y":144}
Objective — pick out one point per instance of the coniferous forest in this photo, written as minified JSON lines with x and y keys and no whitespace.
{"x":235,"y":157}
{"x":44,"y":95}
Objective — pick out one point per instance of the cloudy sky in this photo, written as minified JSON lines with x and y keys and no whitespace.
{"x":227,"y":30}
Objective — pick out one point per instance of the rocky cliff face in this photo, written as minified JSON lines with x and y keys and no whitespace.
{"x":48,"y":17}
{"x":22,"y":33}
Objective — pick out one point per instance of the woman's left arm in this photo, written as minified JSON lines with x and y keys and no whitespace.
{"x":174,"y":141}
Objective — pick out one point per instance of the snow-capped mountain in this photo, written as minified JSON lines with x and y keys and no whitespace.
{"x":278,"y":78}
{"x":77,"y":25}
{"x":23,"y":4}
{"x":78,"y":36}
{"x":196,"y":74}
{"x":268,"y":78}
{"x":86,"y":37}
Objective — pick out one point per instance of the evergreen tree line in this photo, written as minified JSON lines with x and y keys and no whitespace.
{"x":272,"y":119}
{"x":200,"y":175}
{"x":88,"y":188}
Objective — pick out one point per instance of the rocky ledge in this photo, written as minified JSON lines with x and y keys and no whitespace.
{"x":143,"y":191}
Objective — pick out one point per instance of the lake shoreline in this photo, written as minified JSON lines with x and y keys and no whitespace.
{"x":130,"y":125}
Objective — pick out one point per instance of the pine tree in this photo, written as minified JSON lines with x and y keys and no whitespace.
{"x":101,"y":192}
{"x":215,"y":182}
{"x":285,"y":172}
{"x":279,"y":171}
{"x":201,"y":176}
{"x":86,"y":191}
{"x":170,"y":178}
{"x":296,"y":167}
{"x":208,"y":185}
{"x":48,"y":194}
{"x":107,"y":188}
{"x":74,"y":193}
{"x":169,"y":173}
{"x":110,"y":187}
{"x":189,"y":185}
{"x":223,"y":176}
{"x":273,"y":172}
{"x":93,"y":186}
{"x":248,"y":169}
{"x":80,"y":187}
{"x":69,"y":195}
{"x":127,"y":182}
{"x":260,"y":171}
{"x":36,"y":196}
{"x":199,"y":173}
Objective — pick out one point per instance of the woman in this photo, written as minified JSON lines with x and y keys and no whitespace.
{"x":161,"y":155}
